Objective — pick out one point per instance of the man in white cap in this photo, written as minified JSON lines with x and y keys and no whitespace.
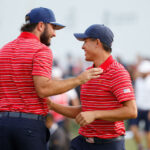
{"x":142,"y":92}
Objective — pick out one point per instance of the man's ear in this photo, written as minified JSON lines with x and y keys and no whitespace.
{"x":99,"y":43}
{"x":40,"y":26}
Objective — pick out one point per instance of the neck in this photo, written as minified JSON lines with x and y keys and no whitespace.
{"x":101,"y":59}
{"x":37,"y":34}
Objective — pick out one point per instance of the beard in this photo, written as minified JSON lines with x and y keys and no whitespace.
{"x":44,"y":38}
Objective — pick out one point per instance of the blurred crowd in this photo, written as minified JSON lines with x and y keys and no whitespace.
{"x":140,"y":75}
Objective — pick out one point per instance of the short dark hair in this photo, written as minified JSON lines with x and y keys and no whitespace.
{"x":28,"y":27}
{"x":106,"y":47}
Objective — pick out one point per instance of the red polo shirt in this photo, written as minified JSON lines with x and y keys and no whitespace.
{"x":19,"y":61}
{"x":106,"y":93}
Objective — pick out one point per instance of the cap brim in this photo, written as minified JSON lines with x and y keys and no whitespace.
{"x":80,"y":36}
{"x":57,"y":26}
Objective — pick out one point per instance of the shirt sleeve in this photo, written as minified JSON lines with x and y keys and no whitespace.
{"x":122,"y":86}
{"x":42,"y":63}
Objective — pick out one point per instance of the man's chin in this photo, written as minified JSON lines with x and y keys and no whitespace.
{"x":46,"y":43}
{"x":87,"y":59}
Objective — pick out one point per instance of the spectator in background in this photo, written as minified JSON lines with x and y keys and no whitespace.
{"x":119,"y":60}
{"x":68,"y":98}
{"x":142,"y":92}
{"x":58,"y":138}
{"x":70,"y":65}
{"x":77,"y":69}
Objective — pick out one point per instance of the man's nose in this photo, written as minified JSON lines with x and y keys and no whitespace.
{"x":83,"y":46}
{"x":54,"y":33}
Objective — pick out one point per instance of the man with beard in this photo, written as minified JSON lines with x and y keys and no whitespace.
{"x":25,"y":82}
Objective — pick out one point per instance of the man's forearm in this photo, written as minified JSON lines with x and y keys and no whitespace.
{"x":114,"y":115}
{"x":123,"y":113}
{"x":68,"y":111}
{"x":46,"y":87}
{"x":127,"y":111}
{"x":54,"y":87}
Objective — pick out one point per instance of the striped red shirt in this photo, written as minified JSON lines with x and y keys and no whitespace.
{"x":106,"y":93}
{"x":19,"y":61}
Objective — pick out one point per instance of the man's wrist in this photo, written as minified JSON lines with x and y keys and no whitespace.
{"x":78,"y":80}
{"x":96,"y":114}
{"x":52,"y":105}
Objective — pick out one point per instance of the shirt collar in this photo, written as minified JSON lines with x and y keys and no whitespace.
{"x":28,"y":35}
{"x":107,"y":62}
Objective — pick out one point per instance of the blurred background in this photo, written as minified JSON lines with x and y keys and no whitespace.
{"x":128,"y":19}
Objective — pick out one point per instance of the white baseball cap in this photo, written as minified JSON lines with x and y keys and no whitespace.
{"x":144,"y":66}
